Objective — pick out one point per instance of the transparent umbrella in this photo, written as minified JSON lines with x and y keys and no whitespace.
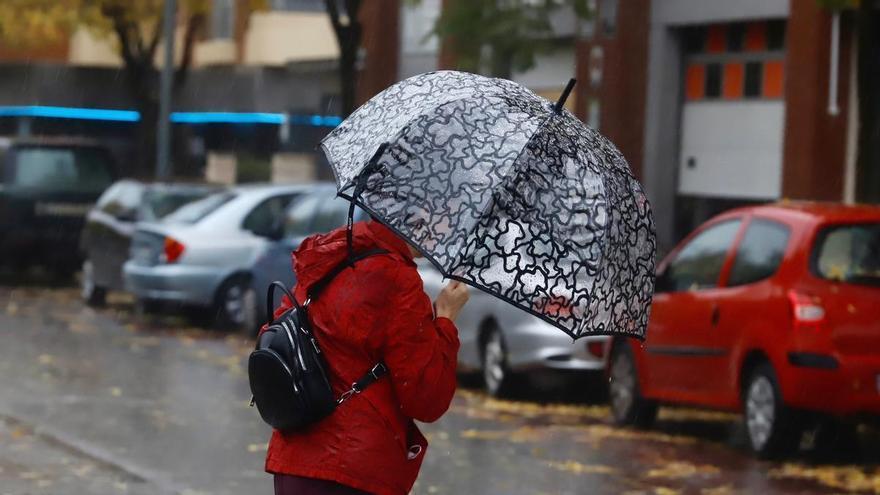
{"x":507,"y":192}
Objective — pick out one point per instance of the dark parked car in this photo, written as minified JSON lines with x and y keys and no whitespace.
{"x":106,"y":238}
{"x":46,"y":188}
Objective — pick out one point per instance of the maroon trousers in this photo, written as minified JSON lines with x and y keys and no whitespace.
{"x":286,"y":484}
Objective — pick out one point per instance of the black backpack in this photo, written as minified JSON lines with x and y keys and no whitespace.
{"x":287,"y":370}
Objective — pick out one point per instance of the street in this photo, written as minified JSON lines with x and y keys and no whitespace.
{"x":106,"y":401}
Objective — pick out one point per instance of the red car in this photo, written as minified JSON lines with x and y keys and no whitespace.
{"x":772,"y":310}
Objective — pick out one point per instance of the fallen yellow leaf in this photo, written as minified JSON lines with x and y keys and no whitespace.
{"x":578,"y":468}
{"x":679,"y":469}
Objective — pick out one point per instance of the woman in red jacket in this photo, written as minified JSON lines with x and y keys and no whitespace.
{"x":377,"y":311}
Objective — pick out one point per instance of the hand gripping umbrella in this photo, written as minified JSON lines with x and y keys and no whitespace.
{"x":507,"y":192}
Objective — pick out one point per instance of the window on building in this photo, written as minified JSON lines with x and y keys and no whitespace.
{"x":754,"y":71}
{"x":734,"y":60}
{"x":223,"y":19}
{"x":713,"y":81}
{"x":776,"y":34}
{"x":608,"y":16}
{"x":735,"y":37}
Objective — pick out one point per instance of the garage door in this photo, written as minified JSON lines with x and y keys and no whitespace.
{"x":733,"y":111}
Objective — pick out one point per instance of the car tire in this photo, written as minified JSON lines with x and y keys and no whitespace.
{"x":144,"y":307}
{"x":92,"y":294}
{"x":628,"y":406}
{"x":772,"y":428}
{"x":496,"y":375}
{"x":236,"y":306}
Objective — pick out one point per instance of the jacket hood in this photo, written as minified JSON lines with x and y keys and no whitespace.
{"x":318,"y":254}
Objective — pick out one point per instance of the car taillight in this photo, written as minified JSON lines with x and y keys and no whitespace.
{"x":806,"y":310}
{"x":596,"y":348}
{"x":173,"y":250}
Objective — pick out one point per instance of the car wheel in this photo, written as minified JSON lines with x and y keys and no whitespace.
{"x":143,"y":307}
{"x":236,"y":306}
{"x":628,"y":406}
{"x":92,"y":294}
{"x":497,"y":377}
{"x":771,"y":427}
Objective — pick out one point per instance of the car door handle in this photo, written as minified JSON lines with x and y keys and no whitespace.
{"x":716,"y":315}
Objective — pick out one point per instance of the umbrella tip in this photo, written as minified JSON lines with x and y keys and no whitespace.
{"x":564,"y":96}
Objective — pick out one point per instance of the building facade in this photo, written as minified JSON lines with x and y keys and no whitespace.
{"x":718,"y":104}
{"x":261,"y":82}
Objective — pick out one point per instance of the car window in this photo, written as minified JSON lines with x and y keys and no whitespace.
{"x":300,"y":217}
{"x":266,"y":219}
{"x":51,"y":168}
{"x":331,"y":215}
{"x":849,"y":253}
{"x":194,"y":212}
{"x":698,"y":264}
{"x":760,"y":252}
{"x":159,"y":203}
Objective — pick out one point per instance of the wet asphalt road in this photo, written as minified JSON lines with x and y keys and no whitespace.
{"x":105,"y":402}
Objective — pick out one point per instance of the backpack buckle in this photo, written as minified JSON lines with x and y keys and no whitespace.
{"x":348,"y":393}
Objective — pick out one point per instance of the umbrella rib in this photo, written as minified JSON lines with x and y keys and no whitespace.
{"x":504,"y":179}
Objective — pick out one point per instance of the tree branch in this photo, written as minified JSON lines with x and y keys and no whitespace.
{"x":193,"y":24}
{"x":121,"y":28}
{"x":157,"y":35}
{"x":333,"y":12}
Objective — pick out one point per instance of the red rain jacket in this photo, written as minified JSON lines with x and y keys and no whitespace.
{"x":377,"y":311}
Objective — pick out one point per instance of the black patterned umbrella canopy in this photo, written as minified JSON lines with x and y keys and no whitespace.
{"x":507,"y":192}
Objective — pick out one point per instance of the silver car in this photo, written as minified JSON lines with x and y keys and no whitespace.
{"x":201,"y":255}
{"x":502,"y":342}
{"x":319,"y":211}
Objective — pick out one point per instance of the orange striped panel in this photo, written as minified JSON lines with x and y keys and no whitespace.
{"x":695,"y":82}
{"x":734,"y":80}
{"x":716,"y":39}
{"x":774,"y":79}
{"x":756,"y":37}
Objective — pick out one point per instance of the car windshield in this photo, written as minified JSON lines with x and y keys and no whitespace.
{"x":159,"y":203}
{"x":53,"y":168}
{"x":849,"y":253}
{"x":196,"y":211}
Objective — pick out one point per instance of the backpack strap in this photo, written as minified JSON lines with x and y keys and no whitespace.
{"x":316,"y":288}
{"x":377,"y":371}
{"x":270,"y":299}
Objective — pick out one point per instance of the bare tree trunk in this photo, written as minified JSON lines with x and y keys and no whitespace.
{"x":142,"y":80}
{"x":348,"y":74}
{"x":146,"y":137}
{"x":348,"y":36}
{"x":868,"y":157}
